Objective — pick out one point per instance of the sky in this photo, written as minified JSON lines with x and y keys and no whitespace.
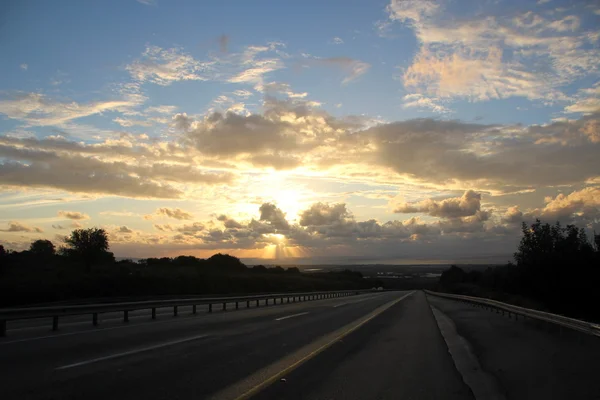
{"x":351,"y":131}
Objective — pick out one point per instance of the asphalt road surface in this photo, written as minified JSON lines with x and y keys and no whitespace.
{"x":373,"y":346}
{"x":529,"y":359}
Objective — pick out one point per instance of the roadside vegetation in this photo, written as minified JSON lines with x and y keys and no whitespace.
{"x":556,"y":269}
{"x":86,"y":269}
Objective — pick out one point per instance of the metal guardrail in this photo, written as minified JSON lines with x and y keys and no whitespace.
{"x":54,"y":312}
{"x":571,"y":323}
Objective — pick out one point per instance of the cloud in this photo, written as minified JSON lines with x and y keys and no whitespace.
{"x":466,"y":205}
{"x":165,"y":66}
{"x":191,"y":229}
{"x":124,"y":229}
{"x":488,"y":156}
{"x":336,"y":40}
{"x":15,"y":226}
{"x":223,"y":43}
{"x":128,"y":122}
{"x":229,"y":223}
{"x":38,"y":110}
{"x":75,"y":215}
{"x":255,"y":74}
{"x":513,"y":215}
{"x":176,"y":213}
{"x":416,"y":100}
{"x":494,"y":57}
{"x":163,"y":228}
{"x":162,"y":109}
{"x":24,"y":67}
{"x":147,"y":2}
{"x":584,"y":204}
{"x":587,"y":101}
{"x":351,"y":67}
{"x":113,"y":167}
{"x":324,"y":214}
{"x":274,"y":216}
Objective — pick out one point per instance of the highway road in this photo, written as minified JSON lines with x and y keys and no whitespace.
{"x":375,"y":346}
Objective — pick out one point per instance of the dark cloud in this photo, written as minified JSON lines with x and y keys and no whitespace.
{"x":124,"y":229}
{"x":15,"y":226}
{"x":229,"y":222}
{"x":274,"y":216}
{"x":324,"y":214}
{"x":191,"y":229}
{"x":223,"y":43}
{"x":176,"y":213}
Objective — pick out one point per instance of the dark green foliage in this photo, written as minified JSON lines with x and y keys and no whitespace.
{"x":42,"y":248}
{"x":556,"y":267}
{"x":29,"y":279}
{"x":89,"y":246}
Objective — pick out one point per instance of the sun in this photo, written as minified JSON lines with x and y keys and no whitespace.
{"x":289,"y":201}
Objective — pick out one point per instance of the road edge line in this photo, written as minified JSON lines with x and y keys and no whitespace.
{"x":482,"y":384}
{"x":329,"y":339}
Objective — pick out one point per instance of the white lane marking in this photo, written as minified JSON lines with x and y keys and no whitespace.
{"x":128,"y":353}
{"x":243,"y":389}
{"x":291,"y":316}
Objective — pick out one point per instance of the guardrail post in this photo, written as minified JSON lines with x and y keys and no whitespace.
{"x":55,"y":323}
{"x":237,"y":305}
{"x":288,"y":299}
{"x":2,"y":328}
{"x":153,"y":312}
{"x":194,"y":309}
{"x":95,"y":319}
{"x":281,"y":301}
{"x":225,"y":306}
{"x":257,"y":304}
{"x":210,"y":308}
{"x":174,"y":311}
{"x":125,"y":316}
{"x":248,"y":304}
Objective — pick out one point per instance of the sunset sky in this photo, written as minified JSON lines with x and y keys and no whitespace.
{"x":320,"y":131}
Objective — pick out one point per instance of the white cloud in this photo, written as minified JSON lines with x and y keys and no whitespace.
{"x":336,"y":40}
{"x":128,"y":122}
{"x":24,"y":67}
{"x":528,"y":55}
{"x":165,"y":66}
{"x":163,"y":109}
{"x":587,"y":101}
{"x":37,"y":109}
{"x":416,"y":100}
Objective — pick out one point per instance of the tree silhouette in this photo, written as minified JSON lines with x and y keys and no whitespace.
{"x":88,"y":245}
{"x":42,"y":248}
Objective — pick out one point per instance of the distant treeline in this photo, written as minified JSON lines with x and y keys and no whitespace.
{"x":556,"y":268}
{"x":85,"y":269}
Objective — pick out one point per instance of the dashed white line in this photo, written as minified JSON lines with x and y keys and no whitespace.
{"x":128,"y":353}
{"x":291,"y":316}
